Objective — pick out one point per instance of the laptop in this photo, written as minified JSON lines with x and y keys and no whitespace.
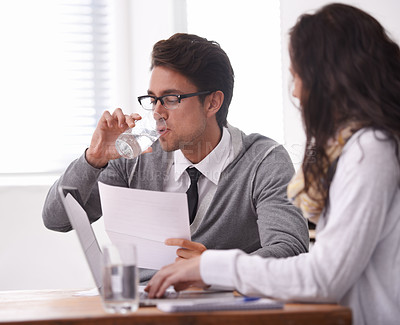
{"x":73,"y":203}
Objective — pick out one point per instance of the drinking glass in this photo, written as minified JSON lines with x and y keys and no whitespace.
{"x":134,"y":141}
{"x":120,"y":279}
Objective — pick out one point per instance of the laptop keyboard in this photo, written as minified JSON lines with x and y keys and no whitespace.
{"x":143,"y":295}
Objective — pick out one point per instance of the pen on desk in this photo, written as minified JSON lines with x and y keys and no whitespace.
{"x":248,"y":299}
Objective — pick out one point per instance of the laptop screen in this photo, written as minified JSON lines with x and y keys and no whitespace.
{"x":80,"y":223}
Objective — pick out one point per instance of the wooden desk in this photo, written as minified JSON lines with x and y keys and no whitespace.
{"x":63,"y":307}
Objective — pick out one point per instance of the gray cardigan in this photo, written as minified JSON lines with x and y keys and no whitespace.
{"x":249,"y":209}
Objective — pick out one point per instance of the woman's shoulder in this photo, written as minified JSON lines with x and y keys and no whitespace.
{"x":369,"y":141}
{"x":371,"y":148}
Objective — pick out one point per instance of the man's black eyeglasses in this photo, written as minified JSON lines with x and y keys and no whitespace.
{"x":168,"y":101}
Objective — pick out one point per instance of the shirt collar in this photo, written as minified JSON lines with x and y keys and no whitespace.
{"x":212,"y":165}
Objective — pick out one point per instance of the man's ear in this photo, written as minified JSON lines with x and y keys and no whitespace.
{"x":215,"y":102}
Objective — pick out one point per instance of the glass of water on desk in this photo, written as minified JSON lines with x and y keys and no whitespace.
{"x":134,"y":141}
{"x":120,"y":279}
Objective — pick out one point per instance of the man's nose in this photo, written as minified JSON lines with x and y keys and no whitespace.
{"x":160,"y":109}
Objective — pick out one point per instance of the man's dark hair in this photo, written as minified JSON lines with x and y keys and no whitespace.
{"x":202,"y":61}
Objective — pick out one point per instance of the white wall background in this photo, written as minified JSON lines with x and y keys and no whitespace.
{"x":32,"y":257}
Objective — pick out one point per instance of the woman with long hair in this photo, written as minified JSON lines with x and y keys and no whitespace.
{"x":346,"y":73}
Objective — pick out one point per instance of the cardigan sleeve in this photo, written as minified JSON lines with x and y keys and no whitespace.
{"x":81,"y":175}
{"x":282,"y":228}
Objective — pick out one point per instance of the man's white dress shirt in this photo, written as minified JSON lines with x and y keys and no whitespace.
{"x":211,"y":168}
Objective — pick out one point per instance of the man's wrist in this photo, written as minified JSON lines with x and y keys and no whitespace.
{"x":93,"y":161}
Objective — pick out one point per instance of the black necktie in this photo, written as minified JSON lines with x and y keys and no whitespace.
{"x":192,"y":194}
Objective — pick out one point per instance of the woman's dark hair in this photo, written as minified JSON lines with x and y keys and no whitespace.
{"x":350,"y":71}
{"x":203,"y":62}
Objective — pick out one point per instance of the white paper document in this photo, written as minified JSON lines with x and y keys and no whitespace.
{"x":213,"y":304}
{"x":146,"y":219}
